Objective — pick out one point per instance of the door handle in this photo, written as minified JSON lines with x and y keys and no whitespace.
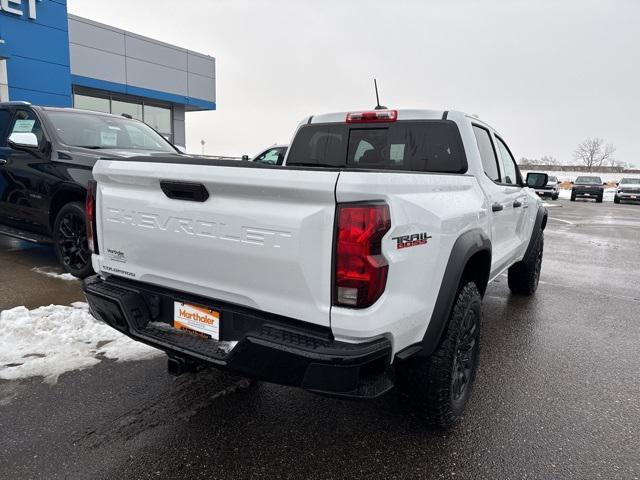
{"x":517,"y":204}
{"x":497,"y":207}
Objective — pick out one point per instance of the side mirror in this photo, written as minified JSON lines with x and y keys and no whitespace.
{"x":245,"y":158}
{"x":537,"y":180}
{"x":559,"y":182}
{"x":21,"y":140}
{"x":604,"y":184}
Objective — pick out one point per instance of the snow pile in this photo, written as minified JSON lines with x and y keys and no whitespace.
{"x":50,"y":273}
{"x":50,"y":341}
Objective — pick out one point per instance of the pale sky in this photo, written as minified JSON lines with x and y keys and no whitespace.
{"x":545,"y":73}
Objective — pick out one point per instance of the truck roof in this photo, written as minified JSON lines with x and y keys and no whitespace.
{"x":403,"y":114}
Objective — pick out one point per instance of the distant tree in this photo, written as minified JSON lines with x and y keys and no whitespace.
{"x":525,"y":162}
{"x":549,"y":160}
{"x":593,"y":153}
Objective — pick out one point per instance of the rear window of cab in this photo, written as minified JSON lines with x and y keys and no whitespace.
{"x":420,"y":146}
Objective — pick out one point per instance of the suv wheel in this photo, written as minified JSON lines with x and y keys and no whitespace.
{"x":616,"y":199}
{"x":440,"y":385}
{"x":555,"y":196}
{"x":599,"y":199}
{"x":70,"y":240}
{"x":573,"y":197}
{"x":524,"y":276}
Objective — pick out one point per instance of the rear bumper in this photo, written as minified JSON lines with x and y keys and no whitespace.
{"x":588,"y":193}
{"x":269,"y":347}
{"x":628,"y":196}
{"x":546,"y":193}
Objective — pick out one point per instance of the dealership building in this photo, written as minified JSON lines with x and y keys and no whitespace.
{"x":49,"y":57}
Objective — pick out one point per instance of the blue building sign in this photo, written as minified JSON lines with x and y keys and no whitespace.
{"x":49,"y":57}
{"x":36,"y":49}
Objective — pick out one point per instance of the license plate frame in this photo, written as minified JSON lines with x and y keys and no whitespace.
{"x":196,"y":320}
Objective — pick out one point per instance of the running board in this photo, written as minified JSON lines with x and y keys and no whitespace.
{"x":22,"y":235}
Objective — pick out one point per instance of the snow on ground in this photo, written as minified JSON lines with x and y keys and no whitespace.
{"x":609,"y":193}
{"x":571,"y":176}
{"x":50,"y":341}
{"x":50,"y":273}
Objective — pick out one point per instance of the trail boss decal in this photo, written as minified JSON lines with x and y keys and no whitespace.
{"x":413,"y":240}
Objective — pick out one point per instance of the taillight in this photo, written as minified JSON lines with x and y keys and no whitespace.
{"x":90,"y":209}
{"x":360,"y":270}
{"x":372,"y":116}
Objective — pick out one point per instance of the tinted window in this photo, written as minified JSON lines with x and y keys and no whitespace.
{"x":487,"y":153}
{"x":588,"y":180}
{"x":433,"y":146}
{"x":509,"y":170}
{"x":324,"y":145}
{"x":5,"y":116}
{"x":25,"y":121}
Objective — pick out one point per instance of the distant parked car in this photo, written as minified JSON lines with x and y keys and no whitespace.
{"x":273,"y":155}
{"x":550,"y":189}
{"x":588,"y":187}
{"x":628,"y":189}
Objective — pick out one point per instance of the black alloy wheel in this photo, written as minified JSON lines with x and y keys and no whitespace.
{"x":70,"y":240}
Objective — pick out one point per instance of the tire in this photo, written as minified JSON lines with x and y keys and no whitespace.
{"x":573,"y":197}
{"x":524,"y":276}
{"x":70,"y":240}
{"x":555,"y":197}
{"x":616,"y":199}
{"x":599,"y":199}
{"x":439,"y":386}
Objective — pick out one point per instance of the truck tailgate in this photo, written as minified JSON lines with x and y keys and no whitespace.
{"x":262,"y":239}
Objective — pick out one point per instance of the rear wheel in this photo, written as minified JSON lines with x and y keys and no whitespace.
{"x":440,"y":385}
{"x":524,"y":276}
{"x":70,"y":240}
{"x":555,"y":196}
{"x":616,"y":199}
{"x":573,"y":197}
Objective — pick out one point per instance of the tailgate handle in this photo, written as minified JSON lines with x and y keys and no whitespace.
{"x":192,"y":192}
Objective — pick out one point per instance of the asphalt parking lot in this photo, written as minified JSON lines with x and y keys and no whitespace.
{"x":557,"y":394}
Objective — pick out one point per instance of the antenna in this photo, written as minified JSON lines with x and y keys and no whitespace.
{"x":378,"y":106}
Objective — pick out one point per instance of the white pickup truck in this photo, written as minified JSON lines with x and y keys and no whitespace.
{"x":357,"y":265}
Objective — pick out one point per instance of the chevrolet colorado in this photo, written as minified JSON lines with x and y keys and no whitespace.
{"x":357,"y":265}
{"x":46,"y":157}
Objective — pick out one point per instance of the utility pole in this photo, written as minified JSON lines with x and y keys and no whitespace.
{"x":202,"y":142}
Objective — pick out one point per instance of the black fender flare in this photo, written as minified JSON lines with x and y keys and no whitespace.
{"x":467,"y":245}
{"x":539,"y":225}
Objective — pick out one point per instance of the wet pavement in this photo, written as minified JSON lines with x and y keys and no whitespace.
{"x":557,"y":394}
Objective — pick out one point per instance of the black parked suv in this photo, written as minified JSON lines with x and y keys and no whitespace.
{"x":588,"y":187}
{"x":46,"y":157}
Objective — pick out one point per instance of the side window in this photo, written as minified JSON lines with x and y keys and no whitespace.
{"x":5,"y":116}
{"x":487,"y":153}
{"x":510,"y":172}
{"x":26,"y":122}
{"x":273,"y":156}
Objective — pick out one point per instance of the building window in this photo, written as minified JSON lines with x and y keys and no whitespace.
{"x":134,"y":110}
{"x":157,"y":117}
{"x":97,"y":104}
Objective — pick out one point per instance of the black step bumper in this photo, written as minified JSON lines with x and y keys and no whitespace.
{"x":269,"y":347}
